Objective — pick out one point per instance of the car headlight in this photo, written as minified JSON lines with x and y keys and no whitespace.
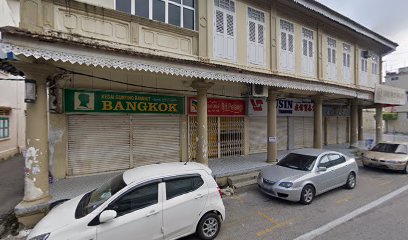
{"x":394,"y":161}
{"x":286,"y":184}
{"x":41,"y":237}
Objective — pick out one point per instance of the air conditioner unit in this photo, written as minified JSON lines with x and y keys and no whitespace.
{"x":259,"y":90}
{"x":366,"y":54}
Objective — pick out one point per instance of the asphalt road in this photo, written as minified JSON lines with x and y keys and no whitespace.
{"x":11,"y":183}
{"x":253,"y":215}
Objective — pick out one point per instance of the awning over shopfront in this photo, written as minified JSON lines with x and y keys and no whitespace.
{"x":390,"y":96}
{"x":120,"y":59}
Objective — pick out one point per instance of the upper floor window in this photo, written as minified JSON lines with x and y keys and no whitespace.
{"x":308,"y":66}
{"x":176,"y":12}
{"x":374,"y":64}
{"x":256,"y":37}
{"x":4,"y":127}
{"x":287,"y":46}
{"x":224,"y":29}
{"x":331,"y":69}
{"x":363,"y":62}
{"x":346,"y":62}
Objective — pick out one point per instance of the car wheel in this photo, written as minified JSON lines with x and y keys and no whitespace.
{"x":307,"y":195}
{"x":351,"y":181}
{"x":209,"y":226}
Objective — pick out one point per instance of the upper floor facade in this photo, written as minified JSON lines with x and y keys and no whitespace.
{"x":290,"y":39}
{"x":399,"y":80}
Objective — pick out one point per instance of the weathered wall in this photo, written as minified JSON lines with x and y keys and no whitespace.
{"x":57,"y":141}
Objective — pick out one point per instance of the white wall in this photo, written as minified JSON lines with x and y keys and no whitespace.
{"x":12,"y":96}
{"x":10,"y":13}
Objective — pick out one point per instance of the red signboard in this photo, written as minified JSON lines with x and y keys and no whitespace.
{"x":219,"y":107}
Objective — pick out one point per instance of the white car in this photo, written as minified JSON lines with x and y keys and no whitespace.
{"x":159,"y":201}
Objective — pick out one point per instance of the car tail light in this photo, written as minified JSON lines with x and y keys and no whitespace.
{"x":219,"y":191}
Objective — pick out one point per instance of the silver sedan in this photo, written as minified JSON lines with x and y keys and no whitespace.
{"x":303,"y":174}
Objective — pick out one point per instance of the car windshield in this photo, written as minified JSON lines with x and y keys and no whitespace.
{"x":95,"y":198}
{"x":298,"y":161}
{"x":387,"y":148}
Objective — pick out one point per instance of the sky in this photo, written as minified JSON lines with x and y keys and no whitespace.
{"x":386,"y":17}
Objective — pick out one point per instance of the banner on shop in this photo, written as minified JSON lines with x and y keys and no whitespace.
{"x":336,"y":110}
{"x":284,"y":107}
{"x":218,"y":107}
{"x":78,"y":101}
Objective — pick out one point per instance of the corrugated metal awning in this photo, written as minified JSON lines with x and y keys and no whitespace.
{"x":116,"y":60}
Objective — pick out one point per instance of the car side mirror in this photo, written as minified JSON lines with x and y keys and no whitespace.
{"x":321,"y":169}
{"x":107,"y":216}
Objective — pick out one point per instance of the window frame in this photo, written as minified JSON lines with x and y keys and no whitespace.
{"x":180,"y":177}
{"x":259,"y":62}
{"x":156,"y":181}
{"x":3,"y":127}
{"x":166,"y":11}
{"x":230,"y":12}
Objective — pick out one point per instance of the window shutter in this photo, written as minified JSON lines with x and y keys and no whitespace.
{"x":219,"y":34}
{"x":252,"y":46}
{"x":261,"y":45}
{"x":230,"y":37}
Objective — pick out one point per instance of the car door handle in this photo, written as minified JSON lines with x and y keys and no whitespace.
{"x":199,"y":196}
{"x":151,"y":213}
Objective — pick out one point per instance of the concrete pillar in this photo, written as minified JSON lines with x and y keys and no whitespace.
{"x":354,"y":124}
{"x":202,"y":134}
{"x":378,"y":123}
{"x":318,"y":124}
{"x":360,"y":125}
{"x":36,"y":187}
{"x":272,"y":150}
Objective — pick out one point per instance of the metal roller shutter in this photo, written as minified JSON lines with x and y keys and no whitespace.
{"x":257,"y":134}
{"x":155,"y":139}
{"x":97,"y":144}
{"x":299,"y":132}
{"x":308,"y":132}
{"x":342,"y":129}
{"x":331,"y":130}
{"x":282,"y":129}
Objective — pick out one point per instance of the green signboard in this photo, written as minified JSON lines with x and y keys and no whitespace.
{"x":83,"y":101}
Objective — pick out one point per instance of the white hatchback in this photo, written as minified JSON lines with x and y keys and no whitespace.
{"x":159,"y":201}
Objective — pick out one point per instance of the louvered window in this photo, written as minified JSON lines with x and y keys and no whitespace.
{"x":346,"y":63}
{"x":256,"y":40}
{"x":225,"y":29}
{"x":176,"y":12}
{"x":374,"y":70}
{"x":308,"y":61}
{"x":331,"y":67}
{"x":287,"y":46}
{"x":363,"y":73}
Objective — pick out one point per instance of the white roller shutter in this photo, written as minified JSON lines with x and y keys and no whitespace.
{"x":282,"y":129}
{"x":331,"y":130}
{"x":257,"y":134}
{"x":342,"y":129}
{"x":299,"y":132}
{"x":155,"y":139}
{"x":308,"y":136}
{"x":97,"y":144}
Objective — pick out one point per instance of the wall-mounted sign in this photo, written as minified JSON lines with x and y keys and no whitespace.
{"x":336,"y":110}
{"x":284,"y":107}
{"x":272,"y":139}
{"x":389,"y":95}
{"x":218,"y":107}
{"x":77,"y":101}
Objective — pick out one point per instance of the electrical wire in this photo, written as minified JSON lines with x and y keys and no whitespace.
{"x":142,"y":86}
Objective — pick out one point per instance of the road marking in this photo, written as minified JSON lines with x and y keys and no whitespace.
{"x":276,"y":224}
{"x":325,"y":228}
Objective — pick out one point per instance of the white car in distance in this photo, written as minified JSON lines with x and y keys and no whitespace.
{"x":159,"y":201}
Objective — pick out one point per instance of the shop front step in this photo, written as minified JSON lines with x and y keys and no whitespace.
{"x":238,"y":181}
